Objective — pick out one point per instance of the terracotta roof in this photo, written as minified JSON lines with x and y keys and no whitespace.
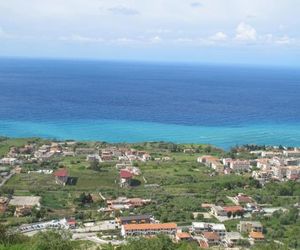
{"x":150,"y":226}
{"x":62,"y":172}
{"x":233,"y":209}
{"x":183,"y":235}
{"x":125,"y":174}
{"x":71,"y":222}
{"x":257,"y":235}
{"x":203,"y":244}
{"x":206,"y":205}
{"x":244,"y":198}
{"x":211,"y":235}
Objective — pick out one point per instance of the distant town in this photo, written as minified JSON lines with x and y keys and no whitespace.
{"x":109,"y":194}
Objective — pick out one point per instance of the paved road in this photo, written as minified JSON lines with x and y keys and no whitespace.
{"x":93,"y":237}
{"x":97,"y":227}
{"x":5,"y":179}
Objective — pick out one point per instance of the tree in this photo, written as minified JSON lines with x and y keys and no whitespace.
{"x":10,"y":237}
{"x":85,"y":198}
{"x":229,"y":214}
{"x":243,"y":243}
{"x":94,"y":165}
{"x":52,"y":239}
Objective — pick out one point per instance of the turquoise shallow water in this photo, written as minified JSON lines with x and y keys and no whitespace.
{"x":126,"y":101}
{"x":130,"y":131}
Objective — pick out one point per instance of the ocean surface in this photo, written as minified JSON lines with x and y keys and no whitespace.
{"x":133,"y":102}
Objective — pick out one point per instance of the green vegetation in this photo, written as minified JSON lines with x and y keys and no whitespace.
{"x":180,"y":186}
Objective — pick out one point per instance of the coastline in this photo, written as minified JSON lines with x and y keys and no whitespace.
{"x":132,"y":131}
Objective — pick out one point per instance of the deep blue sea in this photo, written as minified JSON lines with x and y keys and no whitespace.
{"x":134,"y":101}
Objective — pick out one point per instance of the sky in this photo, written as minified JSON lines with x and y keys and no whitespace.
{"x":214,"y":31}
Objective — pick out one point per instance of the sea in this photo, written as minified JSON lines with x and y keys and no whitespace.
{"x":222,"y":105}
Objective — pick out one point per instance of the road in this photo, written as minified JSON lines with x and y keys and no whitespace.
{"x":5,"y":179}
{"x":93,"y":237}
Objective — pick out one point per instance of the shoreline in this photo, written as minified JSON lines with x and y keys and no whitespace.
{"x":114,"y":131}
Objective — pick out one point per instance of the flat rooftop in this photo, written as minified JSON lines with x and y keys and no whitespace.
{"x":25,"y":200}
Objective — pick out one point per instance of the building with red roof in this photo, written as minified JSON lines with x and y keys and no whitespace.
{"x":61,"y":176}
{"x":71,"y":223}
{"x":180,"y":236}
{"x":125,"y":177}
{"x":210,"y":239}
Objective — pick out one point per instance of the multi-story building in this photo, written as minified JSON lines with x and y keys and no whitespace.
{"x":249,"y":226}
{"x":200,"y":227}
{"x":148,"y":229}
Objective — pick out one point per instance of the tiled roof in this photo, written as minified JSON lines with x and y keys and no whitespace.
{"x":183,"y":235}
{"x":233,"y":209}
{"x":211,"y":235}
{"x":257,"y":235}
{"x":125,"y":174}
{"x":62,"y":172}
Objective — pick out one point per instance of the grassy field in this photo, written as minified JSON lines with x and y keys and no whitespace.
{"x":182,"y":186}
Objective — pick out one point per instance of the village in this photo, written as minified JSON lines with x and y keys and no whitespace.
{"x":130,"y":204}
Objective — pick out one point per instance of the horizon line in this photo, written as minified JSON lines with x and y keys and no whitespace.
{"x":154,"y":61}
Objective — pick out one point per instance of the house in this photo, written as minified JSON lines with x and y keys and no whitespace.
{"x":256,"y":236}
{"x":71,"y":223}
{"x":262,"y":176}
{"x":183,"y":236}
{"x":233,"y":209}
{"x":18,"y":170}
{"x":224,"y":211}
{"x":85,"y":151}
{"x":271,"y":153}
{"x":145,"y":157}
{"x":212,"y":162}
{"x":24,"y":204}
{"x":218,"y":211}
{"x":106,"y":155}
{"x":200,"y":227}
{"x":125,"y":177}
{"x":210,"y":239}
{"x":125,"y":203}
{"x":232,"y":238}
{"x":61,"y":176}
{"x":23,"y":211}
{"x":292,"y":161}
{"x":240,"y":165}
{"x":263,"y":163}
{"x":134,"y":219}
{"x":242,"y":199}
{"x":148,"y":229}
{"x":279,"y":172}
{"x":189,"y":151}
{"x":93,"y":157}
{"x":9,"y":161}
{"x":291,"y":153}
{"x":3,"y":204}
{"x":138,"y":202}
{"x":68,"y":152}
{"x":293,"y":172}
{"x":249,"y":226}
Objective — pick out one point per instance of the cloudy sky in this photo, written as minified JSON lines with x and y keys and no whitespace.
{"x":215,"y":31}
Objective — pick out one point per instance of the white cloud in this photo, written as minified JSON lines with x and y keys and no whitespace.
{"x":245,"y":32}
{"x":82,"y":39}
{"x":219,"y":36}
{"x":155,"y":39}
{"x":284,"y":40}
